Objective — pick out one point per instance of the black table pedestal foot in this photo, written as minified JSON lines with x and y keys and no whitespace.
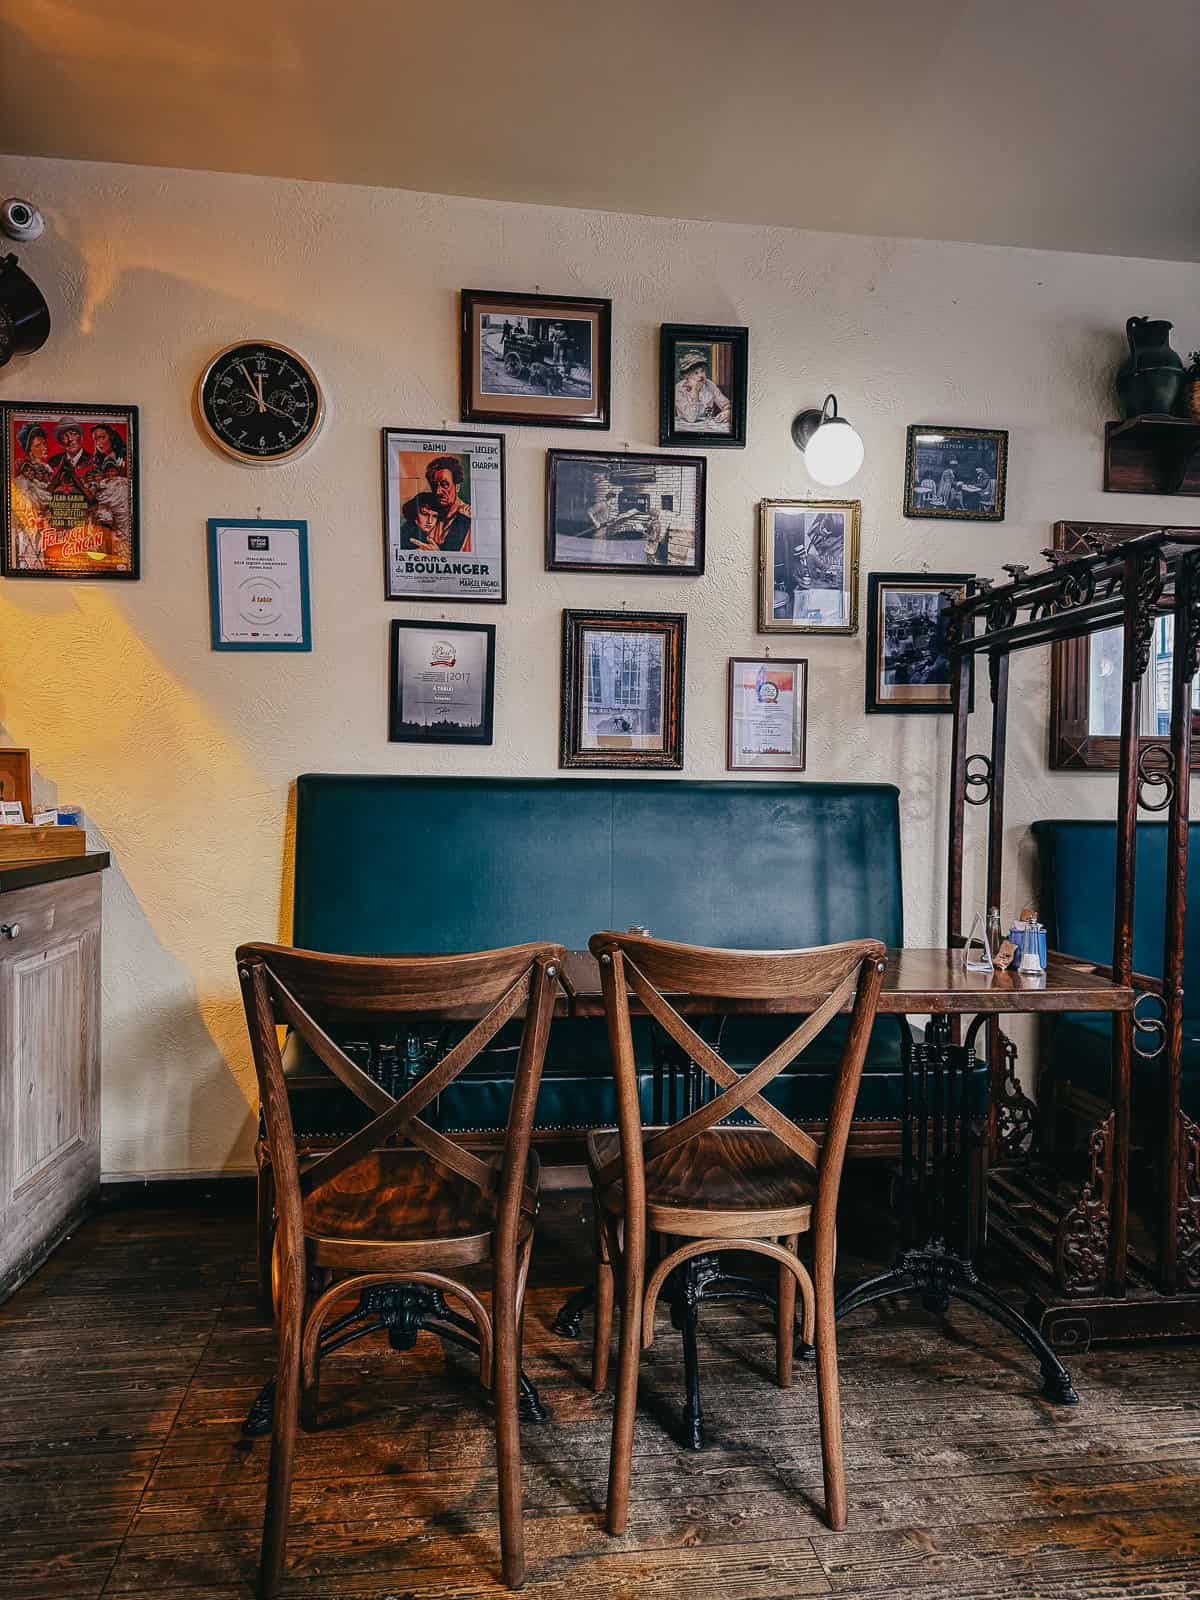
{"x":939,"y":1275}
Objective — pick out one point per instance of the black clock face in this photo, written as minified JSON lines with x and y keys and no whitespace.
{"x":261,"y":402}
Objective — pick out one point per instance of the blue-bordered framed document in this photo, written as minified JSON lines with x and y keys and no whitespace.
{"x":258,"y":584}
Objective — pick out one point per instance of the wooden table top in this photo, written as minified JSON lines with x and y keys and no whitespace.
{"x":916,"y":982}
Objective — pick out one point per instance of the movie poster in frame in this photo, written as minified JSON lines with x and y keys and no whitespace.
{"x":71,"y":491}
{"x":443,"y":516}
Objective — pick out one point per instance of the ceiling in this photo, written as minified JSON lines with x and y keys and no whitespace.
{"x":1063,"y":124}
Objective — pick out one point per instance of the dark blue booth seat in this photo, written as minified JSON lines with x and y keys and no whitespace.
{"x":1078,"y":863}
{"x":402,"y":865}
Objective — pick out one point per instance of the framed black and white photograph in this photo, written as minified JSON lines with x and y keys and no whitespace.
{"x":619,"y":512}
{"x":808,"y":566}
{"x":443,"y":515}
{"x":908,"y":652}
{"x":536,"y":358}
{"x":442,"y":682}
{"x":703,"y":378}
{"x":622,"y":700}
{"x":957,"y":474}
{"x":767,"y":714}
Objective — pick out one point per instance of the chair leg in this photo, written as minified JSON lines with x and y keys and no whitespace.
{"x":785,"y":1327}
{"x":828,"y":1393}
{"x":620,"y":1465}
{"x":283,"y":1452}
{"x":265,"y":1235}
{"x":602,"y":1322}
{"x":506,"y":1366}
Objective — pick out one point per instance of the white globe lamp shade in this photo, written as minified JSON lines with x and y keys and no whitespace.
{"x":833,"y":450}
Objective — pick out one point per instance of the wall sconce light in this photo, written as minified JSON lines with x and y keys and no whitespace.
{"x":833,"y":452}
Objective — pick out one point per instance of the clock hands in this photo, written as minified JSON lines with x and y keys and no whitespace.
{"x":256,"y":384}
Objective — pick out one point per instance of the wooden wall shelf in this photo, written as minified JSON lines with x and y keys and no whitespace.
{"x":1152,"y":455}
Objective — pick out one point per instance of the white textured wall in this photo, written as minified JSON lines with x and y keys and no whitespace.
{"x":183,"y":758}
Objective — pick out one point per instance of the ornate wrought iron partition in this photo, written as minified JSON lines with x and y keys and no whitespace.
{"x":1095,"y":1283}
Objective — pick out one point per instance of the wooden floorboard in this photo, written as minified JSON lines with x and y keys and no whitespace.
{"x":127,"y":1364}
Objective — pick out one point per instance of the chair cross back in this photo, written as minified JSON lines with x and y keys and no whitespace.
{"x":399,"y":1117}
{"x":739,"y":1091}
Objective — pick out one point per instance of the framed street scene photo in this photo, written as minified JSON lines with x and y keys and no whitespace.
{"x":442,"y":682}
{"x":768,"y":715}
{"x":808,"y":566}
{"x":537,"y":358}
{"x":957,"y":474}
{"x":443,"y":515}
{"x":908,"y":654}
{"x":613,"y":512}
{"x":71,"y":491}
{"x":622,"y":689}
{"x":258,"y":584}
{"x":703,"y":374}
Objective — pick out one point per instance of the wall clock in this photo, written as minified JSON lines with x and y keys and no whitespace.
{"x":260,"y":402}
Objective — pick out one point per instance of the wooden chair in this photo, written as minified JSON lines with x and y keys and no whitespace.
{"x":724,"y":1187}
{"x":376,"y":1219}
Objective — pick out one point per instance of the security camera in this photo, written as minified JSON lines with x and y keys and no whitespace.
{"x":21,"y":219}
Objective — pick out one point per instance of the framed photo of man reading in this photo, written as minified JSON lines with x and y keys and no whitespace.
{"x":908,"y":650}
{"x":622,"y":689}
{"x":443,"y":515}
{"x":957,"y":474}
{"x":536,"y":358}
{"x":808,"y":566}
{"x":703,"y":375}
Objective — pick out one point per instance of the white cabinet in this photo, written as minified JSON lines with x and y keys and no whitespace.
{"x":49,"y":1066}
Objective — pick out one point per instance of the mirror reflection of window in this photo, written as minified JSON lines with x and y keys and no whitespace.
{"x":1104,"y":682}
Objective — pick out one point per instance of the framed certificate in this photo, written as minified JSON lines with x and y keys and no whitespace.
{"x":258,"y":584}
{"x":768,"y":715}
{"x":442,"y":682}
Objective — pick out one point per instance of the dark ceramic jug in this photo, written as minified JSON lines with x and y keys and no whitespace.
{"x":1150,"y":379}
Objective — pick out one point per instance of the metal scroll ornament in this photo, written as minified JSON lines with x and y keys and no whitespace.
{"x":1081,"y":1247}
{"x":977,"y":774}
{"x":1016,"y":1114}
{"x":1150,"y":576}
{"x":1188,"y":1208}
{"x":1155,"y":1026}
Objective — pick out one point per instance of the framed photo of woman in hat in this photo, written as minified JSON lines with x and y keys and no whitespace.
{"x":71,"y":491}
{"x":703,"y":378}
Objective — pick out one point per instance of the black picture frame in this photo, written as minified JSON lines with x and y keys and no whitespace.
{"x":969,"y":501}
{"x":487,"y":444}
{"x":44,"y":415}
{"x":575,"y":751}
{"x":926,"y":583}
{"x":528,"y":369}
{"x":400,"y":732}
{"x":628,"y":484}
{"x":733,"y":385}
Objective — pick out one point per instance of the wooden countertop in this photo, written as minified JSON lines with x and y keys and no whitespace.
{"x":27,"y":874}
{"x":916,"y":982}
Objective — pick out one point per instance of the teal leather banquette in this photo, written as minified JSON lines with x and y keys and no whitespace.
{"x":1077,"y":863}
{"x":396,"y":865}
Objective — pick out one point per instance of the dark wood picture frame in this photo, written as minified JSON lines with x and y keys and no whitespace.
{"x":799,"y":664}
{"x":929,"y":581}
{"x":545,"y":409}
{"x":46,"y":412}
{"x":914,"y":508}
{"x":435,"y":736}
{"x":696,"y":465}
{"x":672,"y":626}
{"x":672,"y":334}
{"x":1073,"y":747}
{"x":387,"y":436}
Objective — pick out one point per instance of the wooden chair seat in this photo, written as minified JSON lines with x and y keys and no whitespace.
{"x":727,"y":1182}
{"x":399,"y":1208}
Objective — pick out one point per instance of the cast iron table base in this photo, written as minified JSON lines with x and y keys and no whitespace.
{"x":405,"y":1310}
